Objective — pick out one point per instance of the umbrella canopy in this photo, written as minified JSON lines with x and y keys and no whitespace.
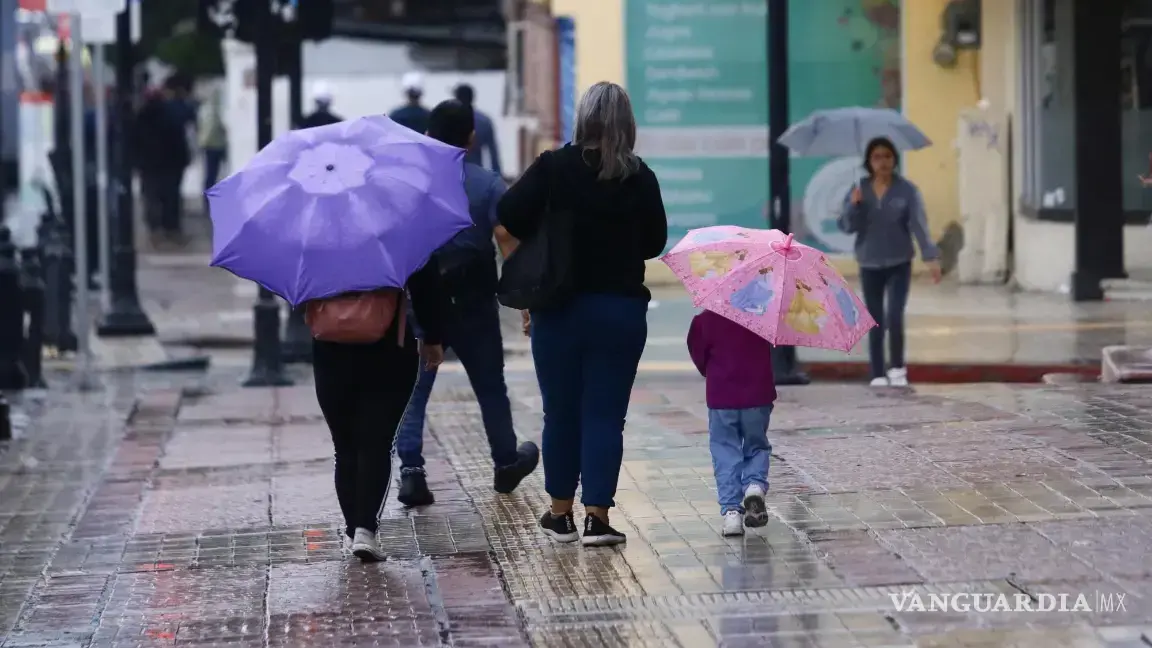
{"x":354,"y":206}
{"x":781,"y":290}
{"x":847,"y":131}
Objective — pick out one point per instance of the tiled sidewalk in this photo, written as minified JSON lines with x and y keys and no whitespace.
{"x":211,"y":520}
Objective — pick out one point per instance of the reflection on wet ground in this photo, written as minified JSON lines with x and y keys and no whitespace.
{"x":210,"y":521}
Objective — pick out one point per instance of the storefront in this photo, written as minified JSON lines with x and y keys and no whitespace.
{"x":1083,"y":138}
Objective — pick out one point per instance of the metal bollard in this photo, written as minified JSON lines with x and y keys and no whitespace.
{"x":5,"y":420}
{"x":12,"y":374}
{"x":58,"y":287}
{"x":32,"y":285}
{"x":297,"y":339}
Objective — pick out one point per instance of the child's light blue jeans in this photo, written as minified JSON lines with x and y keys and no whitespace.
{"x":740,"y":452}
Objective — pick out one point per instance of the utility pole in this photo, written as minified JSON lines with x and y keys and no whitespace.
{"x":784,"y":361}
{"x":297,"y":336}
{"x":267,"y":361}
{"x":124,"y":317}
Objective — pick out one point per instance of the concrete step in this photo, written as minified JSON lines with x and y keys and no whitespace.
{"x":1126,"y":364}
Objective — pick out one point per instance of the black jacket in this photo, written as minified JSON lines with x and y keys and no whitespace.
{"x":619,"y":224}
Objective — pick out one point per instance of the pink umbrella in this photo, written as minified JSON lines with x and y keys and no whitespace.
{"x":782,"y":290}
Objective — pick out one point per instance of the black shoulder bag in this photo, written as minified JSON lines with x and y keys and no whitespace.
{"x":538,"y":274}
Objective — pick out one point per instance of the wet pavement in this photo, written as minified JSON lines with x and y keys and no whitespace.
{"x":168,"y":511}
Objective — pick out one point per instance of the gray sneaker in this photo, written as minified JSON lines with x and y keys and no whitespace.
{"x":365,"y":548}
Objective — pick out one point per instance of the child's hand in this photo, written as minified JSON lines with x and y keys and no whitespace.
{"x":526,"y":322}
{"x":857,"y":196}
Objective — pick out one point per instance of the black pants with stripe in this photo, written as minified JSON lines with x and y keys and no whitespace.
{"x":363,"y":391}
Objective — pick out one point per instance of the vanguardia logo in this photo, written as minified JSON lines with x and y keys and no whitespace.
{"x":911,"y":601}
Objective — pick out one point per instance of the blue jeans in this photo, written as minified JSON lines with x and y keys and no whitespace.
{"x":586,"y":356}
{"x":740,"y":452}
{"x":894,"y":282}
{"x":473,"y":331}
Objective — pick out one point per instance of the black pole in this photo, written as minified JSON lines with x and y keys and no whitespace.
{"x":125,"y":317}
{"x":297,"y":336}
{"x":784,"y":362}
{"x":267,"y":362}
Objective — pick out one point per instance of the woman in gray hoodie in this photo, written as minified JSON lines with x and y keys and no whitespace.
{"x":885,"y":212}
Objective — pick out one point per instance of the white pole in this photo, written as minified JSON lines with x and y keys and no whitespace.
{"x":101,"y":99}
{"x":80,"y":221}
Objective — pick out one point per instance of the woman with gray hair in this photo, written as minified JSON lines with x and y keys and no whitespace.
{"x":588,"y":347}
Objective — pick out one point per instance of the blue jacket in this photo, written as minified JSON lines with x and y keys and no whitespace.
{"x":484,"y":189}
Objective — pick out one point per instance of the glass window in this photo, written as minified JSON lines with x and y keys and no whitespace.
{"x":1048,"y":104}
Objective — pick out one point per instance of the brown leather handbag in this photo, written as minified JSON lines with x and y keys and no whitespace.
{"x":357,"y":318}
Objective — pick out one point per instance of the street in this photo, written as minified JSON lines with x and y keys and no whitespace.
{"x":167,"y":510}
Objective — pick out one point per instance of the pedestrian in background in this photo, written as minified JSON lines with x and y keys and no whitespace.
{"x":321,"y":114}
{"x":740,"y":392}
{"x":471,"y":327}
{"x":213,"y":137}
{"x":485,"y":139}
{"x":885,"y":212}
{"x":163,"y":154}
{"x":588,"y":348}
{"x":412,"y":114}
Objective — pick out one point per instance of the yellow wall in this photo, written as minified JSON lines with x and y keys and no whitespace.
{"x":599,"y":42}
{"x":933,"y":99}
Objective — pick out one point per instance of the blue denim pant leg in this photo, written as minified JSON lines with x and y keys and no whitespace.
{"x":757,"y":450}
{"x":616,"y":330}
{"x":727,"y":447}
{"x":410,"y":435}
{"x":479,"y":345}
{"x":556,"y":354}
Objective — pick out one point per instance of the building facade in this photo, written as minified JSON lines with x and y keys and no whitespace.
{"x":1081,"y":137}
{"x":697,"y":76}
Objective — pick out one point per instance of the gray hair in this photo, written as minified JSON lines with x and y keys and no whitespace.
{"x":605,"y":124}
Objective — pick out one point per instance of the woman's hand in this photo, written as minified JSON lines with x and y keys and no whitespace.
{"x":934,"y":268}
{"x":432,"y":355}
{"x":857,"y":195}
{"x":526,"y":322}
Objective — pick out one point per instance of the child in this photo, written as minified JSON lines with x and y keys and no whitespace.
{"x":737,"y":365}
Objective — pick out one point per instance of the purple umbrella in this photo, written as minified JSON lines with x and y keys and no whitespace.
{"x":354,"y":206}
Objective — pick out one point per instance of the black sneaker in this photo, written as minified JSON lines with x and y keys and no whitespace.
{"x":509,"y":477}
{"x":597,"y":533}
{"x":414,"y":489}
{"x":560,"y":529}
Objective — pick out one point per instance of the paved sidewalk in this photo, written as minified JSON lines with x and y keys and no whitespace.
{"x":204,"y":515}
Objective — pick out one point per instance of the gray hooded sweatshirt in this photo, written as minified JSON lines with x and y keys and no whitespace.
{"x":884,"y":228}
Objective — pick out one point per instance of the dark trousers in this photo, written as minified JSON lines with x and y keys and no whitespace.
{"x":163,"y":202}
{"x":363,"y":390}
{"x":889,"y":284}
{"x":586,"y":356}
{"x":213,"y":163}
{"x":473,"y":331}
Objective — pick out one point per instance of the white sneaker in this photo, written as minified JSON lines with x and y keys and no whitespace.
{"x":879,"y":382}
{"x":898,"y":377}
{"x":733,"y":524}
{"x":755,"y":510}
{"x":365,"y":548}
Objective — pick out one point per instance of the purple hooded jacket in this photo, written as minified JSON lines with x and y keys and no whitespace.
{"x":735,"y":362}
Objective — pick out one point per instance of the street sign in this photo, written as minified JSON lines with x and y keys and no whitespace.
{"x":99,"y":29}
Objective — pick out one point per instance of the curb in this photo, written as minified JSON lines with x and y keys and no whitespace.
{"x":952,"y":373}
